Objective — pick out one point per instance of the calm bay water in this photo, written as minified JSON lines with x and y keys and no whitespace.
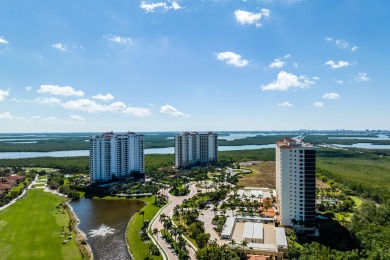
{"x":165,"y":150}
{"x":113,"y":213}
{"x":364,"y":146}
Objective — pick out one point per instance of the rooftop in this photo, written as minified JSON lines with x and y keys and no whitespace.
{"x":291,"y":143}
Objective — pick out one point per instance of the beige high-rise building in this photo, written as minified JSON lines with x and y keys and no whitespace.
{"x":194,"y":148}
{"x":115,"y":155}
{"x":295,"y":182}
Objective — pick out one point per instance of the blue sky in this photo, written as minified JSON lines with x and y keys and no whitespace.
{"x":99,"y":65}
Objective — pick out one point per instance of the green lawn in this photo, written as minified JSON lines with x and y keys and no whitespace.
{"x":30,"y":229}
{"x":138,"y":248}
{"x":42,"y":178}
{"x":18,"y":187}
{"x":343,"y":216}
{"x":358,"y":202}
{"x":38,"y":169}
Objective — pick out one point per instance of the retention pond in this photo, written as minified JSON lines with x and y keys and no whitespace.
{"x":104,"y":222}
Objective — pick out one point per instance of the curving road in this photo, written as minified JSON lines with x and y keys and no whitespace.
{"x":168,"y":210}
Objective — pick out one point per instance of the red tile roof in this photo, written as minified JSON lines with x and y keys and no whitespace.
{"x":5,"y":186}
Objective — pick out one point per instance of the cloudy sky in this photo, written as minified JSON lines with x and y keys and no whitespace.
{"x":99,"y":65}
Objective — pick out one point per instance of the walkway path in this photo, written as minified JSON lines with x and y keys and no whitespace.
{"x":168,"y":210}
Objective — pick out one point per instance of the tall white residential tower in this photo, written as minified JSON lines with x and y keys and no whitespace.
{"x":194,"y":148}
{"x":295,"y":182}
{"x":115,"y":155}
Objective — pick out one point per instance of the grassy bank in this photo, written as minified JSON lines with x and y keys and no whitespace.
{"x":138,"y":248}
{"x":262,"y":175}
{"x":30,"y":229}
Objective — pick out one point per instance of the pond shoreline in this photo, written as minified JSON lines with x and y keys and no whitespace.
{"x":84,"y":247}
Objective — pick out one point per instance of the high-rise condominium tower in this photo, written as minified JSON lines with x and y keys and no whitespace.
{"x":295,"y":182}
{"x":115,"y":155}
{"x":193,"y":148}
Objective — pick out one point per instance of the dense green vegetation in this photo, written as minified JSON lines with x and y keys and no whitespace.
{"x":248,"y":155}
{"x":216,"y":252}
{"x":366,"y":174}
{"x":71,"y":164}
{"x":38,"y":235}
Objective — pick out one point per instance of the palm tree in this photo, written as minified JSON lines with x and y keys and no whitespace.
{"x":176,"y":211}
{"x":233,"y":207}
{"x":253,"y":196}
{"x":215,"y":210}
{"x":168,"y":224}
{"x":182,"y":242}
{"x":174,"y":232}
{"x":233,"y":243}
{"x":162,"y":217}
{"x":243,"y":244}
{"x":155,"y":232}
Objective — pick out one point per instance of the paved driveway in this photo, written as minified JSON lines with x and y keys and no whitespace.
{"x":168,"y":210}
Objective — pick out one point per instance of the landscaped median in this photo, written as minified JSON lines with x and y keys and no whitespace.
{"x":138,"y":248}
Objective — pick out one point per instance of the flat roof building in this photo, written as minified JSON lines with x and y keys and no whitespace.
{"x":281,"y":240}
{"x":228,"y":228}
{"x":253,"y":232}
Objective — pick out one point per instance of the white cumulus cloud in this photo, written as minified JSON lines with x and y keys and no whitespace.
{"x":150,"y":7}
{"x":3,"y":40}
{"x":361,"y":77}
{"x":341,"y":82}
{"x":232,"y":59}
{"x":337,"y":65}
{"x":102,"y":97}
{"x":49,"y":101}
{"x":28,"y":88}
{"x":318,"y":104}
{"x":50,"y":119}
{"x":175,"y":6}
{"x":77,"y":117}
{"x":84,"y":104}
{"x":118,"y":39}
{"x":5,"y":115}
{"x":168,"y":109}
{"x":277,"y":64}
{"x":287,"y":81}
{"x":3,"y":94}
{"x":59,"y":46}
{"x":137,"y":111}
{"x":285,"y":104}
{"x":331,"y":95}
{"x":244,"y":17}
{"x":91,"y":106}
{"x":60,"y":91}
